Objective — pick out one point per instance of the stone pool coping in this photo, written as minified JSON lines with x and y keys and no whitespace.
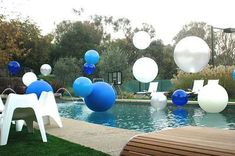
{"x":148,"y":101}
{"x":110,"y":140}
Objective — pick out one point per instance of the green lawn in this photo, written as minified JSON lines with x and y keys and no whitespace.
{"x":28,"y":144}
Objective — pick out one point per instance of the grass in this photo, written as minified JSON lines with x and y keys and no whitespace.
{"x":28,"y":144}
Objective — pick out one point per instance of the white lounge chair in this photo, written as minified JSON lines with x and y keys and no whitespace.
{"x":1,"y":105}
{"x":48,"y":107}
{"x":213,"y":82}
{"x":197,"y":86}
{"x":27,"y":109}
{"x":152,"y":88}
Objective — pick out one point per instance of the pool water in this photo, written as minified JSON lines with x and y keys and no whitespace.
{"x":142,"y":117}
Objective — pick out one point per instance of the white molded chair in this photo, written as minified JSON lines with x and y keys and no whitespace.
{"x":213,"y":82}
{"x":152,"y":89}
{"x":48,"y":107}
{"x":21,"y":107}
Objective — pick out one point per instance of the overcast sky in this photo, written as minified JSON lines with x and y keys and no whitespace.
{"x":167,"y":16}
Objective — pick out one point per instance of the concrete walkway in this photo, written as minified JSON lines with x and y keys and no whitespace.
{"x":102,"y":138}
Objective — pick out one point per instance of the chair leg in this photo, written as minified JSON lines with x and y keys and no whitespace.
{"x":41,"y":125}
{"x":19,"y":125}
{"x":29,"y":124}
{"x":57,"y":119}
{"x":6,"y":127}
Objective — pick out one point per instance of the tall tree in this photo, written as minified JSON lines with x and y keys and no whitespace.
{"x":225,"y":49}
{"x":74,"y":39}
{"x":224,"y":44}
{"x":112,"y":60}
{"x":199,"y":29}
{"x":21,"y":40}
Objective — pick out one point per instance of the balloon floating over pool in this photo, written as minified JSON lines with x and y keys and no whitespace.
{"x":233,"y":74}
{"x":180,"y":97}
{"x":45,"y":69}
{"x":28,"y":78}
{"x":82,"y":86}
{"x":141,"y":40}
{"x":89,"y":69}
{"x":13,"y":67}
{"x":101,"y":98}
{"x":191,"y":54}
{"x":158,"y":101}
{"x":38,"y":87}
{"x":92,"y":57}
{"x":145,"y":69}
{"x":213,"y":98}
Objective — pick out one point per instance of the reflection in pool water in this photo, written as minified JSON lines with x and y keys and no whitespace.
{"x":143,"y":117}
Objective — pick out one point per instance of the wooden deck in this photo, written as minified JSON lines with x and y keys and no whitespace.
{"x":191,"y":141}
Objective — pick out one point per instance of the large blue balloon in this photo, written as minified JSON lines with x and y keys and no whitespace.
{"x":88,"y":68}
{"x":38,"y":87}
{"x":13,"y":67}
{"x":92,"y":57}
{"x":101,"y":98}
{"x":180,"y":97}
{"x":82,"y":86}
{"x":233,"y":74}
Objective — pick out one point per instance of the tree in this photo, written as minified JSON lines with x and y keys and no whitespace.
{"x":40,"y":54}
{"x":112,"y":60}
{"x":199,"y":29}
{"x":168,"y":66}
{"x":74,"y":39}
{"x":66,"y":70}
{"x":22,"y":41}
{"x":225,"y":50}
{"x":224,"y":45}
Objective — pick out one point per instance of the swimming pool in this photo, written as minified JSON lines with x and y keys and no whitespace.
{"x":142,"y":117}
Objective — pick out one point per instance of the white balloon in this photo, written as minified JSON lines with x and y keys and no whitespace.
{"x":141,"y":40}
{"x":45,"y":69}
{"x":145,"y":69}
{"x":28,"y":78}
{"x":191,"y":54}
{"x":213,"y":98}
{"x":158,"y":101}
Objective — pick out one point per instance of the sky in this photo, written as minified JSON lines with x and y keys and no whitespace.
{"x":167,"y":16}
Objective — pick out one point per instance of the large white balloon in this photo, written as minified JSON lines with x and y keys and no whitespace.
{"x":213,"y":98}
{"x":158,"y":101}
{"x":45,"y":69}
{"x":28,"y":78}
{"x":145,"y":69}
{"x":141,"y":40}
{"x":191,"y":54}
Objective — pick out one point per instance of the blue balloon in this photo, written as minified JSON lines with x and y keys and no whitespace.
{"x":101,"y":98}
{"x":82,"y":86}
{"x":38,"y":87}
{"x":13,"y":67}
{"x":233,"y":74}
{"x":92,"y":57}
{"x":179,"y":97}
{"x":88,"y":68}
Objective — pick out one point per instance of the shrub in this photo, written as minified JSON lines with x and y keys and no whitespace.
{"x":223,"y":73}
{"x":66,"y":70}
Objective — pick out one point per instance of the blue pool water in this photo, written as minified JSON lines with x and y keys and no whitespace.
{"x":143,"y":117}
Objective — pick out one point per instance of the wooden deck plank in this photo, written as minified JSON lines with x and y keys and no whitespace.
{"x":185,"y":141}
{"x":182,"y":147}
